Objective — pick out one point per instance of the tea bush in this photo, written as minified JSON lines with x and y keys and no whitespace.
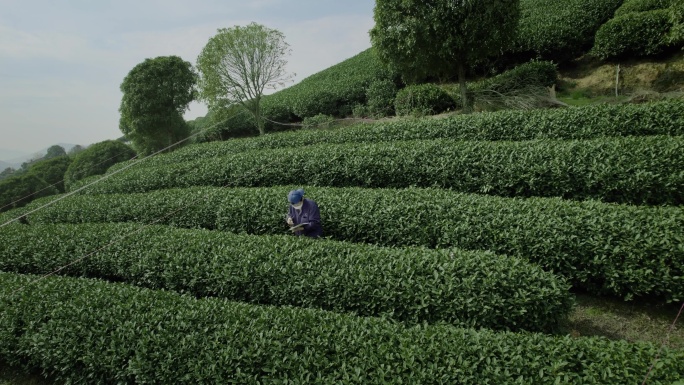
{"x":333,"y":91}
{"x":676,"y":37}
{"x":632,"y":6}
{"x":633,"y":34}
{"x":422,"y":99}
{"x":380,"y":96}
{"x":609,"y":249}
{"x":559,"y":31}
{"x":589,"y":122}
{"x":636,"y":170}
{"x":412,"y":285}
{"x":318,"y":121}
{"x":87,"y":331}
{"x":530,"y":74}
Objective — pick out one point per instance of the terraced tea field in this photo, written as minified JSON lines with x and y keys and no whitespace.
{"x":453,"y":252}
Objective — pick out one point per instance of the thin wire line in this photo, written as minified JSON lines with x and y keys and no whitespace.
{"x":363,"y":120}
{"x":56,"y":183}
{"x":73,"y":262}
{"x":64,"y":196}
{"x":44,"y":276}
{"x":101,"y":248}
{"x":272,"y":121}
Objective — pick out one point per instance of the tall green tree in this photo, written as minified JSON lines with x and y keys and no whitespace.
{"x":54,"y":151}
{"x":440,"y":38}
{"x":238,"y":64}
{"x":51,"y":170}
{"x":75,"y":150}
{"x":156,"y":93}
{"x":96,"y":159}
{"x":7,"y":173}
{"x":19,"y":190}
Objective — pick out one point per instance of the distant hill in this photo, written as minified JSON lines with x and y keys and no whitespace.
{"x":14,"y":159}
{"x":7,"y":154}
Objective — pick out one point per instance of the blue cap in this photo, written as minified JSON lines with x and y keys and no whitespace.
{"x":295,"y":196}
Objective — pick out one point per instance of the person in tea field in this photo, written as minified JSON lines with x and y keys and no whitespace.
{"x":303,"y":215}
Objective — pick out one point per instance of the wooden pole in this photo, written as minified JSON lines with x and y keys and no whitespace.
{"x":617,"y":80}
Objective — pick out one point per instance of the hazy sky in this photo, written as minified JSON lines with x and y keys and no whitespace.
{"x":62,"y":61}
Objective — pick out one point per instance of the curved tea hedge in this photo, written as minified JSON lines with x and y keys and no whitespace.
{"x":559,"y":31}
{"x":632,"y":6}
{"x":333,"y":91}
{"x":625,"y":170}
{"x":633,"y":35}
{"x":603,"y":248}
{"x":588,"y":122}
{"x":88,"y":331}
{"x":414,"y":285}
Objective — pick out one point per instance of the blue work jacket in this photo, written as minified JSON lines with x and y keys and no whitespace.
{"x":310,"y":214}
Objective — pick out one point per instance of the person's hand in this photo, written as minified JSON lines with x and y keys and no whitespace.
{"x":289,"y":221}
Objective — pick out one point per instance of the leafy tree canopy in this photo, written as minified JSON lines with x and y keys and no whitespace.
{"x":54,"y":151}
{"x":96,"y":159}
{"x":439,"y":38}
{"x":75,"y":150}
{"x":6,"y":172}
{"x":238,"y":64}
{"x":19,"y":190}
{"x":51,"y":170}
{"x":156,"y":93}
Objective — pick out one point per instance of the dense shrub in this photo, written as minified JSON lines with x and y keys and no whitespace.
{"x":232,"y":122}
{"x":609,"y":249}
{"x":278,"y":112}
{"x":559,"y":31}
{"x":633,"y":34}
{"x":676,"y":13}
{"x":642,"y":170}
{"x":360,"y":111}
{"x":318,"y":121}
{"x":17,"y":191}
{"x":531,"y":74}
{"x":88,"y":331}
{"x":413,"y":285}
{"x":96,"y":159}
{"x":632,"y":6}
{"x":333,"y":91}
{"x":52,"y":171}
{"x":380,"y":95}
{"x":423,"y":99}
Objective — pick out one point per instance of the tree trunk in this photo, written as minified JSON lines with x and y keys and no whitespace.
{"x":463,"y":87}
{"x":257,"y":116}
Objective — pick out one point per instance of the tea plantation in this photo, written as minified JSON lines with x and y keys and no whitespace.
{"x":454,"y":250}
{"x":446,"y":260}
